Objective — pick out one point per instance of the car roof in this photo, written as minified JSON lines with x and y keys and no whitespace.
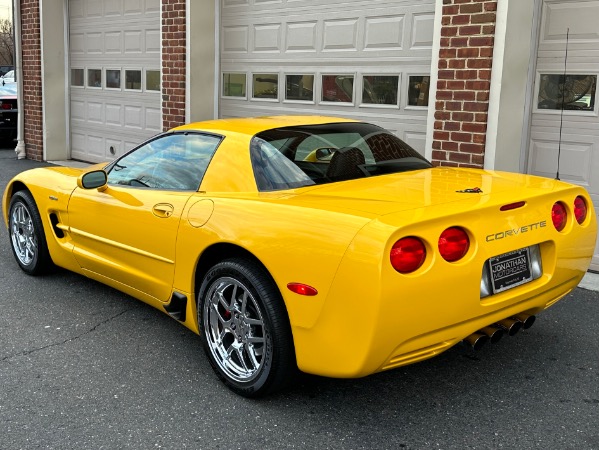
{"x":253,"y":125}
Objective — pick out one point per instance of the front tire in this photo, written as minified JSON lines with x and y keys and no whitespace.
{"x":245,"y":329}
{"x":26,"y":232}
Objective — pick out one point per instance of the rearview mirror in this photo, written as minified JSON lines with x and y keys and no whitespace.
{"x":92,"y":180}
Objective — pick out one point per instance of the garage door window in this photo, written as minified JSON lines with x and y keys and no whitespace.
{"x":265,"y":86}
{"x":152,"y":80}
{"x":380,"y":89}
{"x":77,"y":77}
{"x":338,"y":88}
{"x":234,"y":84}
{"x":577,"y":93}
{"x":113,"y":78}
{"x":299,"y":88}
{"x":133,"y":80}
{"x":94,"y":78}
{"x":418,"y":87}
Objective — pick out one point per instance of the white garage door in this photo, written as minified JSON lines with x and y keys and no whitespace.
{"x":358,"y":59}
{"x":114,"y":76}
{"x":579,"y":161}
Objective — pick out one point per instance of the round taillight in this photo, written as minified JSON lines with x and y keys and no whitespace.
{"x":580,"y":209}
{"x":408,"y":254}
{"x":453,"y":244}
{"x":559,"y":216}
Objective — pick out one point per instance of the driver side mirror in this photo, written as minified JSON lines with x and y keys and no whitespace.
{"x":95,"y":179}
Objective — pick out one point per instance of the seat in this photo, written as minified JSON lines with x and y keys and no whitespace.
{"x":345,"y":164}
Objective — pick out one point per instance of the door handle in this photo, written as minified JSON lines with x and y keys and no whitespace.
{"x":163,"y":210}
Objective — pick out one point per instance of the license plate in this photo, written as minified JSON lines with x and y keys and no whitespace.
{"x":510,"y":270}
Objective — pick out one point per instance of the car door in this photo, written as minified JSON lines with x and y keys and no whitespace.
{"x":127,"y":231}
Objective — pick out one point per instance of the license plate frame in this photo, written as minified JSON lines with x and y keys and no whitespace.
{"x":510,"y":270}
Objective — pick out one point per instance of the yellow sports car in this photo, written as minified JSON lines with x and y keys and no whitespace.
{"x":311,"y":243}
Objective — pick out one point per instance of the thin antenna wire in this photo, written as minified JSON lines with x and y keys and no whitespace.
{"x":561,"y":117}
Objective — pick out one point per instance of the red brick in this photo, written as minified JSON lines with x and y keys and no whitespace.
{"x":483,"y":18}
{"x":471,"y":8}
{"x":479,"y":63}
{"x":459,"y":157}
{"x":461,"y":137}
{"x":439,"y":155}
{"x":472,"y":148}
{"x":476,"y":106}
{"x":450,"y":146}
{"x":469,"y":30}
{"x":474,"y":127}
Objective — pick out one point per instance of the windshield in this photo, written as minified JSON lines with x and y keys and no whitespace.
{"x":291,"y":157}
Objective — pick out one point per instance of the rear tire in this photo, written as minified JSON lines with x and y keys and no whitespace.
{"x":26,"y":233}
{"x":245,"y":329}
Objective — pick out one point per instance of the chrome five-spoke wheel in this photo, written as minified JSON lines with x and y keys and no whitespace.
{"x":22,"y":234}
{"x":26,"y":232}
{"x":234,"y":328}
{"x":245,"y":329}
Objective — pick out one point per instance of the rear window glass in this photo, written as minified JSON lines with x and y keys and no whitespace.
{"x":292,"y":157}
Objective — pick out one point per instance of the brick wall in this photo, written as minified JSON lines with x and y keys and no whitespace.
{"x":32,"y":79}
{"x":173,"y":63}
{"x":465,"y":59}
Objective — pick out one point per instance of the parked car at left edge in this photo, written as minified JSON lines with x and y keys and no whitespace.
{"x":8,"y":112}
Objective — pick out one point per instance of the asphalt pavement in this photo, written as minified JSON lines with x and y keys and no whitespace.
{"x":83,"y":366}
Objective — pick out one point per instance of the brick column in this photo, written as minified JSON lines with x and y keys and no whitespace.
{"x":465,"y":59}
{"x":174,"y":46}
{"x":32,"y":79}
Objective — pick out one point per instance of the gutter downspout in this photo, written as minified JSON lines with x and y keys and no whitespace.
{"x":20,"y":148}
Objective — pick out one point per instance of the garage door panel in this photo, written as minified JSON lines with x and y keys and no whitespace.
{"x":316,"y":55}
{"x":117,"y":37}
{"x":114,"y":114}
{"x":579,"y":160}
{"x":113,"y":42}
{"x":267,"y":38}
{"x":340,"y":34}
{"x":384,"y":33}
{"x":301,"y":36}
{"x":423,"y":26}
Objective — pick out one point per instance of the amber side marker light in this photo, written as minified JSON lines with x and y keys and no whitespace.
{"x":511,"y":206}
{"x":559,"y":216}
{"x":408,"y":254}
{"x":302,"y":289}
{"x":580,"y":209}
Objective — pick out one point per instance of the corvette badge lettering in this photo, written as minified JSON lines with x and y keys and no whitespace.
{"x":516,"y":231}
{"x":474,"y":190}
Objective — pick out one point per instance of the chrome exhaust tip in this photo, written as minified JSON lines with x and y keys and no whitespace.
{"x":527,"y":320}
{"x":476,"y":340}
{"x":494,"y":334}
{"x":511,"y":326}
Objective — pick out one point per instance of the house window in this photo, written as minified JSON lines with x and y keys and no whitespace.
{"x":380,"y":89}
{"x":299,"y":87}
{"x":265,"y":85}
{"x":418,"y":86}
{"x":338,"y":88}
{"x":94,"y":78}
{"x":133,"y":80}
{"x":234,"y":84}
{"x":577,"y":93}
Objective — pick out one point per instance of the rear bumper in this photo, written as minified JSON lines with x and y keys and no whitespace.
{"x":375,"y":319}
{"x":431,"y":344}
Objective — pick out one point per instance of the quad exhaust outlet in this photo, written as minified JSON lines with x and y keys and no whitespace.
{"x":493,"y":333}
